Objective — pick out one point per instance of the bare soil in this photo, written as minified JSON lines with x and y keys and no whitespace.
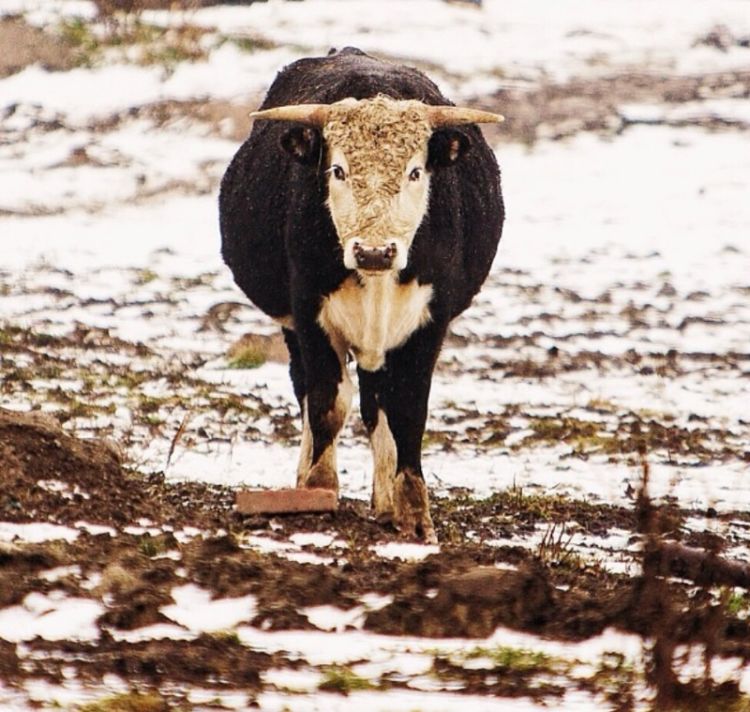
{"x":24,"y":44}
{"x":458,"y":592}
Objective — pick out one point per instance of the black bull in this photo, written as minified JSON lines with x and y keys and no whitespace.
{"x":280,"y":243}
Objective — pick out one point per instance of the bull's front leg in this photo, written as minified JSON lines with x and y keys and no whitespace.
{"x":325,"y":407}
{"x":395,"y":414}
{"x":383,"y":446}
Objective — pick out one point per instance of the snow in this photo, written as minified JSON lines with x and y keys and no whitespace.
{"x":410,"y":700}
{"x":405,"y":551}
{"x":52,"y":616}
{"x":574,"y":38}
{"x":158,"y":631}
{"x":332,"y":618}
{"x":228,"y":73}
{"x":319,"y":539}
{"x":36,"y":532}
{"x":195,"y":609}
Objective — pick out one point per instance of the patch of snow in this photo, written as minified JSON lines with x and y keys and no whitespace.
{"x":141,"y":530}
{"x":375,"y":601}
{"x":227,"y":699}
{"x":53,"y":616}
{"x":64,"y":488}
{"x":60,"y":572}
{"x":332,"y":618}
{"x":318,"y":539}
{"x":196,"y":610}
{"x":405,"y":551}
{"x":293,"y":680}
{"x":158,"y":631}
{"x":187,"y":534}
{"x":397,"y":700}
{"x":307,"y":557}
{"x":95,"y":529}
{"x":36,"y":532}
{"x":226,"y":73}
{"x":492,"y":43}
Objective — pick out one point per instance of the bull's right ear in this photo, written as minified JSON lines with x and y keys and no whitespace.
{"x":302,"y":143}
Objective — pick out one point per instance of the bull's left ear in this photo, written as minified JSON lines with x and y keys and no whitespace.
{"x":446,"y":146}
{"x":302,"y":143}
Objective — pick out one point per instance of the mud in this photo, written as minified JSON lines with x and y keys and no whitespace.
{"x":458,"y":592}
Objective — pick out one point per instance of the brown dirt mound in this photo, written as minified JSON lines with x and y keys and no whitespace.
{"x":47,"y":474}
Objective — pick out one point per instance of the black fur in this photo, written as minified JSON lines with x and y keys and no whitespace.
{"x":279,"y":241}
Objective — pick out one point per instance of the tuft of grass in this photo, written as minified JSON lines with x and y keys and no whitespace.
{"x":150,"y":546}
{"x":145,"y":276}
{"x":230,"y":637}
{"x":737,"y":604}
{"x":128,"y":702}
{"x":555,"y":547}
{"x":583,"y":435}
{"x":78,"y":34}
{"x":533,"y":504}
{"x":248,"y":43}
{"x":343,"y":680}
{"x":116,"y":580}
{"x":247,"y":357}
{"x":510,"y":658}
{"x":615,"y":678}
{"x":136,"y":40}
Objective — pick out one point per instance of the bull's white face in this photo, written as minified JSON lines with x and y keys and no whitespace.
{"x":377,"y":208}
{"x":378,"y":184}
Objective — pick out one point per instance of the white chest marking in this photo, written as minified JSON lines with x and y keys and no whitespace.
{"x":374,"y":316}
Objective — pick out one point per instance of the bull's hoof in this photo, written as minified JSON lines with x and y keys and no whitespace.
{"x":411,"y":508}
{"x":321,"y":476}
{"x":384,"y":518}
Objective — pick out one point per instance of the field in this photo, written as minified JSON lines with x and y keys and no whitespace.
{"x":588,"y":445}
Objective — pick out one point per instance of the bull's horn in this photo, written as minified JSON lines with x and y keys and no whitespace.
{"x":310,"y":114}
{"x":455,"y":115}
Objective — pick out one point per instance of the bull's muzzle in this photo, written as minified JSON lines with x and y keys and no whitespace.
{"x":374,"y":259}
{"x":383,"y":257}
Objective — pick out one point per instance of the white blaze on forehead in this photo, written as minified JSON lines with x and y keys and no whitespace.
{"x":379,"y":136}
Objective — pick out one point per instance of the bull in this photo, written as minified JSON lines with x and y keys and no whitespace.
{"x":363,"y":213}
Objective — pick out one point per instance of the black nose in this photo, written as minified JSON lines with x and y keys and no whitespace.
{"x":374,"y":258}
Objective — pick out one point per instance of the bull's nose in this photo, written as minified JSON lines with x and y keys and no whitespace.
{"x":374,"y":258}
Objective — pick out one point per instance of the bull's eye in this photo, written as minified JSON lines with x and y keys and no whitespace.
{"x":338,"y":172}
{"x":415,"y":175}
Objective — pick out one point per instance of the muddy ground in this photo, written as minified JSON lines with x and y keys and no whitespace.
{"x":466,"y":589}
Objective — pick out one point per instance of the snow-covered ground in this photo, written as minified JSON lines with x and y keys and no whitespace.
{"x":623,"y":246}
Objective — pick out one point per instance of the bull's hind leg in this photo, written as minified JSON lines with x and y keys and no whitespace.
{"x":297,"y":374}
{"x":324,"y":391}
